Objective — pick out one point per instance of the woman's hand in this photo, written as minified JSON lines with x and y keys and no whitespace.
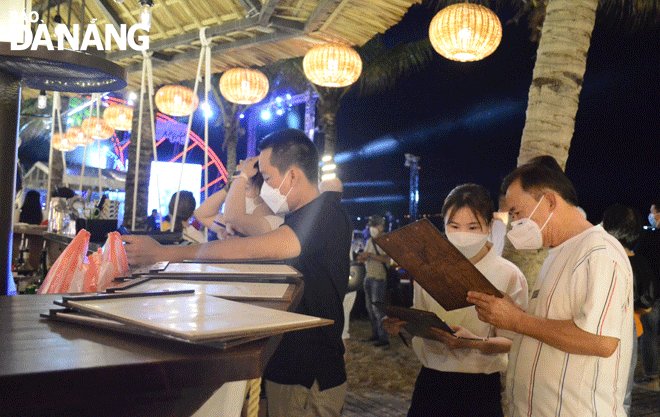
{"x":459,"y":340}
{"x":393,"y":325}
{"x":248,"y":166}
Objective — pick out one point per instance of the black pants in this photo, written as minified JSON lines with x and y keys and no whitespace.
{"x":449,"y":394}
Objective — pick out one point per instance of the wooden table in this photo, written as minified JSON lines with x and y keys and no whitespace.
{"x":53,"y":368}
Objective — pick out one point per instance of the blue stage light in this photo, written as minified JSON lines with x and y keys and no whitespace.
{"x":266,"y":115}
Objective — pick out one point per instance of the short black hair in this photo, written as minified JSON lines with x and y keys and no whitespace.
{"x":475,"y":197}
{"x":624,"y":223}
{"x":539,"y":173}
{"x":292,"y":148}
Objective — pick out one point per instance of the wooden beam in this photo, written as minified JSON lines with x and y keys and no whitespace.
{"x":252,"y":7}
{"x":324,"y":7}
{"x":286,"y":24}
{"x":267,"y":10}
{"x":109,"y":12}
{"x":189,"y":37}
{"x":192,"y":55}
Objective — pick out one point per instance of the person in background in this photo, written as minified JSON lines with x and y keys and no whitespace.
{"x":466,"y":366}
{"x":624,"y":223}
{"x":306,"y":374}
{"x":574,"y":344}
{"x":152,"y":221}
{"x":375,"y":280}
{"x":648,"y":246}
{"x":31,"y":210}
{"x":184,"y":213}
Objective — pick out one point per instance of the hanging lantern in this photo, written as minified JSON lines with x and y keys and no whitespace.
{"x":465,"y":32}
{"x":243,"y":85}
{"x":61,"y":142}
{"x":332,"y":65}
{"x":97,"y":128}
{"x":77,"y":136}
{"x":120,"y":117}
{"x":176,"y":100}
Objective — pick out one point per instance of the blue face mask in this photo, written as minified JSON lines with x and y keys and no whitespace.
{"x":653,"y":221}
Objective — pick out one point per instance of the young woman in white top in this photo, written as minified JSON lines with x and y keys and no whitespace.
{"x":461,"y":373}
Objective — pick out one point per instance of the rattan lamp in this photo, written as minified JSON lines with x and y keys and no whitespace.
{"x":97,"y":128}
{"x":465,"y":32}
{"x":176,"y":100}
{"x":120,"y":117}
{"x":76,"y":136}
{"x":332,"y":65}
{"x":244,"y":85}
{"x":61,"y":143}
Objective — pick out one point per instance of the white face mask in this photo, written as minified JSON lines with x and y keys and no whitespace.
{"x":525,"y":233}
{"x":250,"y":205}
{"x":274,"y":198}
{"x":373,"y":231}
{"x":469,"y":244}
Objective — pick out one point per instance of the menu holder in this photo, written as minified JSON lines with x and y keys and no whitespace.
{"x":419,"y":322}
{"x":435,"y":264}
{"x":184,"y":316}
{"x":273,"y":270}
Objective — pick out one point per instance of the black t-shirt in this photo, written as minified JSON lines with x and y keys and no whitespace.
{"x":645,"y":282}
{"x":323,"y":228}
{"x":649,"y":247}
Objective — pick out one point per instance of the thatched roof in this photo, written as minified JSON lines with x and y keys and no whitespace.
{"x":243,"y":32}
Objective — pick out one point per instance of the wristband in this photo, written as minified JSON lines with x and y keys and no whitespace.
{"x":241,"y":175}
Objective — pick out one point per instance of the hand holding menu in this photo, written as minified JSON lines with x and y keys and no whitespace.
{"x":435,"y":264}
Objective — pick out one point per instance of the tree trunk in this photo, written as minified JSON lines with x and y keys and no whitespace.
{"x":231,"y":137}
{"x":561,"y":61}
{"x":327,"y":107}
{"x":557,"y":80}
{"x":146,"y":156}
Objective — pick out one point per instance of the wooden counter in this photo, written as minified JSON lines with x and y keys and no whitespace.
{"x":54,"y":368}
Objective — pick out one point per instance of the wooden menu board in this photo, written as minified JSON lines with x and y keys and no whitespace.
{"x":435,"y":264}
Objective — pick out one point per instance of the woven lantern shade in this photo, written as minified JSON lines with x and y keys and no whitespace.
{"x":76,"y":136}
{"x":176,"y":100}
{"x":243,"y":85}
{"x":61,"y":142}
{"x":97,"y":127}
{"x":465,"y":32}
{"x":120,"y":117}
{"x":332,"y":65}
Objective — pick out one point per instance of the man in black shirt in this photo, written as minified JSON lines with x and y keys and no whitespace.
{"x":306,"y":374}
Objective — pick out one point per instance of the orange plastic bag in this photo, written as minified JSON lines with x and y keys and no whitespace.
{"x":107,"y":263}
{"x":69,"y":266}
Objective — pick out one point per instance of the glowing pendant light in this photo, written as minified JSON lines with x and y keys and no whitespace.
{"x":120,"y":117}
{"x":61,"y":143}
{"x":97,"y":127}
{"x":332,"y":65}
{"x":244,"y":85}
{"x":465,"y":32}
{"x":77,"y":136}
{"x":176,"y":100}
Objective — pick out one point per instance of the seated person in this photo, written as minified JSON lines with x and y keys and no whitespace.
{"x":184,"y":213}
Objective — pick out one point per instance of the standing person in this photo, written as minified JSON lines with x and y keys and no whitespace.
{"x":649,"y":247}
{"x":466,"y":369}
{"x":31,"y":210}
{"x":152,"y":221}
{"x":306,"y":375}
{"x":573,"y":349}
{"x":375,"y":280}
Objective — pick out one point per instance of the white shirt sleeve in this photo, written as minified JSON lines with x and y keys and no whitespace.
{"x":274,"y":221}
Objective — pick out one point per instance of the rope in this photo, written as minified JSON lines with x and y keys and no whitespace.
{"x":98,"y":144}
{"x":50,"y":153}
{"x":139,"y":140}
{"x":150,"y":84}
{"x":190,"y":117}
{"x":57,"y":102}
{"x":253,"y":393}
{"x":207,"y":87}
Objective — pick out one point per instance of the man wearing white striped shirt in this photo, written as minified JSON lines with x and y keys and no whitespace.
{"x":572,"y":354}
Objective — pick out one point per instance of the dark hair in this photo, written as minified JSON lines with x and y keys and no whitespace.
{"x":256,"y":180}
{"x":64,"y":192}
{"x":539,"y":173}
{"x":656,"y":202}
{"x":473,"y":196}
{"x":31,"y":209}
{"x":624,"y":223}
{"x":292,"y":148}
{"x":185,"y":210}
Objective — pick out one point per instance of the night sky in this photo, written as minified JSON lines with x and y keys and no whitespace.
{"x":465,"y":121}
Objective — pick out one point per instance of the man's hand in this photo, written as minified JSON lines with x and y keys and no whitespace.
{"x":143,"y":250}
{"x":502,"y":313}
{"x":393,"y":325}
